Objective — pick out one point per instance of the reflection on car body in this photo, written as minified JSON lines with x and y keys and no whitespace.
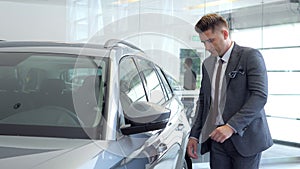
{"x":87,"y":106}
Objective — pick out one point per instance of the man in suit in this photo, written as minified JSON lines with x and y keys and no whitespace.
{"x":189,"y":75}
{"x":231,"y":119}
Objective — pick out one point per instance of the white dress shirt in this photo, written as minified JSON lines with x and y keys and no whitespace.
{"x":225,"y":60}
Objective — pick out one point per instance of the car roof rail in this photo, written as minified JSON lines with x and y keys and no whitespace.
{"x":115,"y":42}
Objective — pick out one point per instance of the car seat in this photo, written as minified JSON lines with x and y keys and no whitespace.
{"x":86,"y":100}
{"x":51,"y":92}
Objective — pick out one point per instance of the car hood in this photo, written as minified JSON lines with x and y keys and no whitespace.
{"x":48,"y":153}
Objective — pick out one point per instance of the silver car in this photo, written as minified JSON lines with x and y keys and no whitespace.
{"x":87,"y":106}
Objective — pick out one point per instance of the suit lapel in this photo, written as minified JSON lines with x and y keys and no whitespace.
{"x":210,"y":65}
{"x":232,"y":64}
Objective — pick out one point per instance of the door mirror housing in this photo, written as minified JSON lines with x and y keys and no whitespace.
{"x":145,"y":116}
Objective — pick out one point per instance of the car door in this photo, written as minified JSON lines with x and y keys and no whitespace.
{"x":173,"y":138}
{"x":140,"y":81}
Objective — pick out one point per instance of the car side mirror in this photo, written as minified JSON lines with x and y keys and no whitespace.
{"x":145,"y":116}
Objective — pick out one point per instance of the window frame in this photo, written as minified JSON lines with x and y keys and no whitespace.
{"x":145,"y":81}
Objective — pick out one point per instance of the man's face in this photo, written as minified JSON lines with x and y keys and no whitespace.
{"x":214,"y":42}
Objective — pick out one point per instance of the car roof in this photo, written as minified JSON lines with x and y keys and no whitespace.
{"x":48,"y":44}
{"x":53,"y":47}
{"x":91,"y":49}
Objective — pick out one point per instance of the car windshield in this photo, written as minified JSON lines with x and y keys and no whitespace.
{"x":46,"y":94}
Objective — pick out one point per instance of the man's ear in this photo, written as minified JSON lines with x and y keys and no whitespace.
{"x":225,"y":33}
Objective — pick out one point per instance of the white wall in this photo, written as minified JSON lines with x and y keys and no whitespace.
{"x":25,"y":21}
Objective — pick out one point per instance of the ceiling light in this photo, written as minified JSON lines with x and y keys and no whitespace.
{"x":120,"y":2}
{"x":209,"y":4}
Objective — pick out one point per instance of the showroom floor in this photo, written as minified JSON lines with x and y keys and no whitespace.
{"x":277,"y":157}
{"x":293,"y":165}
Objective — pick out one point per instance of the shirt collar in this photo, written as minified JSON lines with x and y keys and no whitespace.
{"x":226,"y":56}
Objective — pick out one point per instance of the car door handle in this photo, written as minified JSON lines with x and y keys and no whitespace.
{"x":162,"y":147}
{"x":180,"y":127}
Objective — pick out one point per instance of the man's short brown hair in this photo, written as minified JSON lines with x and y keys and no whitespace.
{"x":210,"y":21}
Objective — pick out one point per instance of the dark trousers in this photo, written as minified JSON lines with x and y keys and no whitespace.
{"x":225,"y":156}
{"x":188,"y":161}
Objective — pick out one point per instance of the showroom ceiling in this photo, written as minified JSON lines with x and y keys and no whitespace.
{"x":190,"y":10}
{"x":177,"y":5}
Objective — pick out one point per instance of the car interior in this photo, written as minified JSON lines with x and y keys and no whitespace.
{"x":49,"y":90}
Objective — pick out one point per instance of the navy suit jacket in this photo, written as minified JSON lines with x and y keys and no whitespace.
{"x":244,"y":94}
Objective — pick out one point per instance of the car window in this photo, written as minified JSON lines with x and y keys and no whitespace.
{"x":175,"y":85}
{"x":76,"y":76}
{"x":154,"y":88}
{"x":131,"y":86}
{"x":50,"y":90}
{"x":165,"y":83}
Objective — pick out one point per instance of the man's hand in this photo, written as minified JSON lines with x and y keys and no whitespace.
{"x":221,"y":133}
{"x":192,"y":148}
